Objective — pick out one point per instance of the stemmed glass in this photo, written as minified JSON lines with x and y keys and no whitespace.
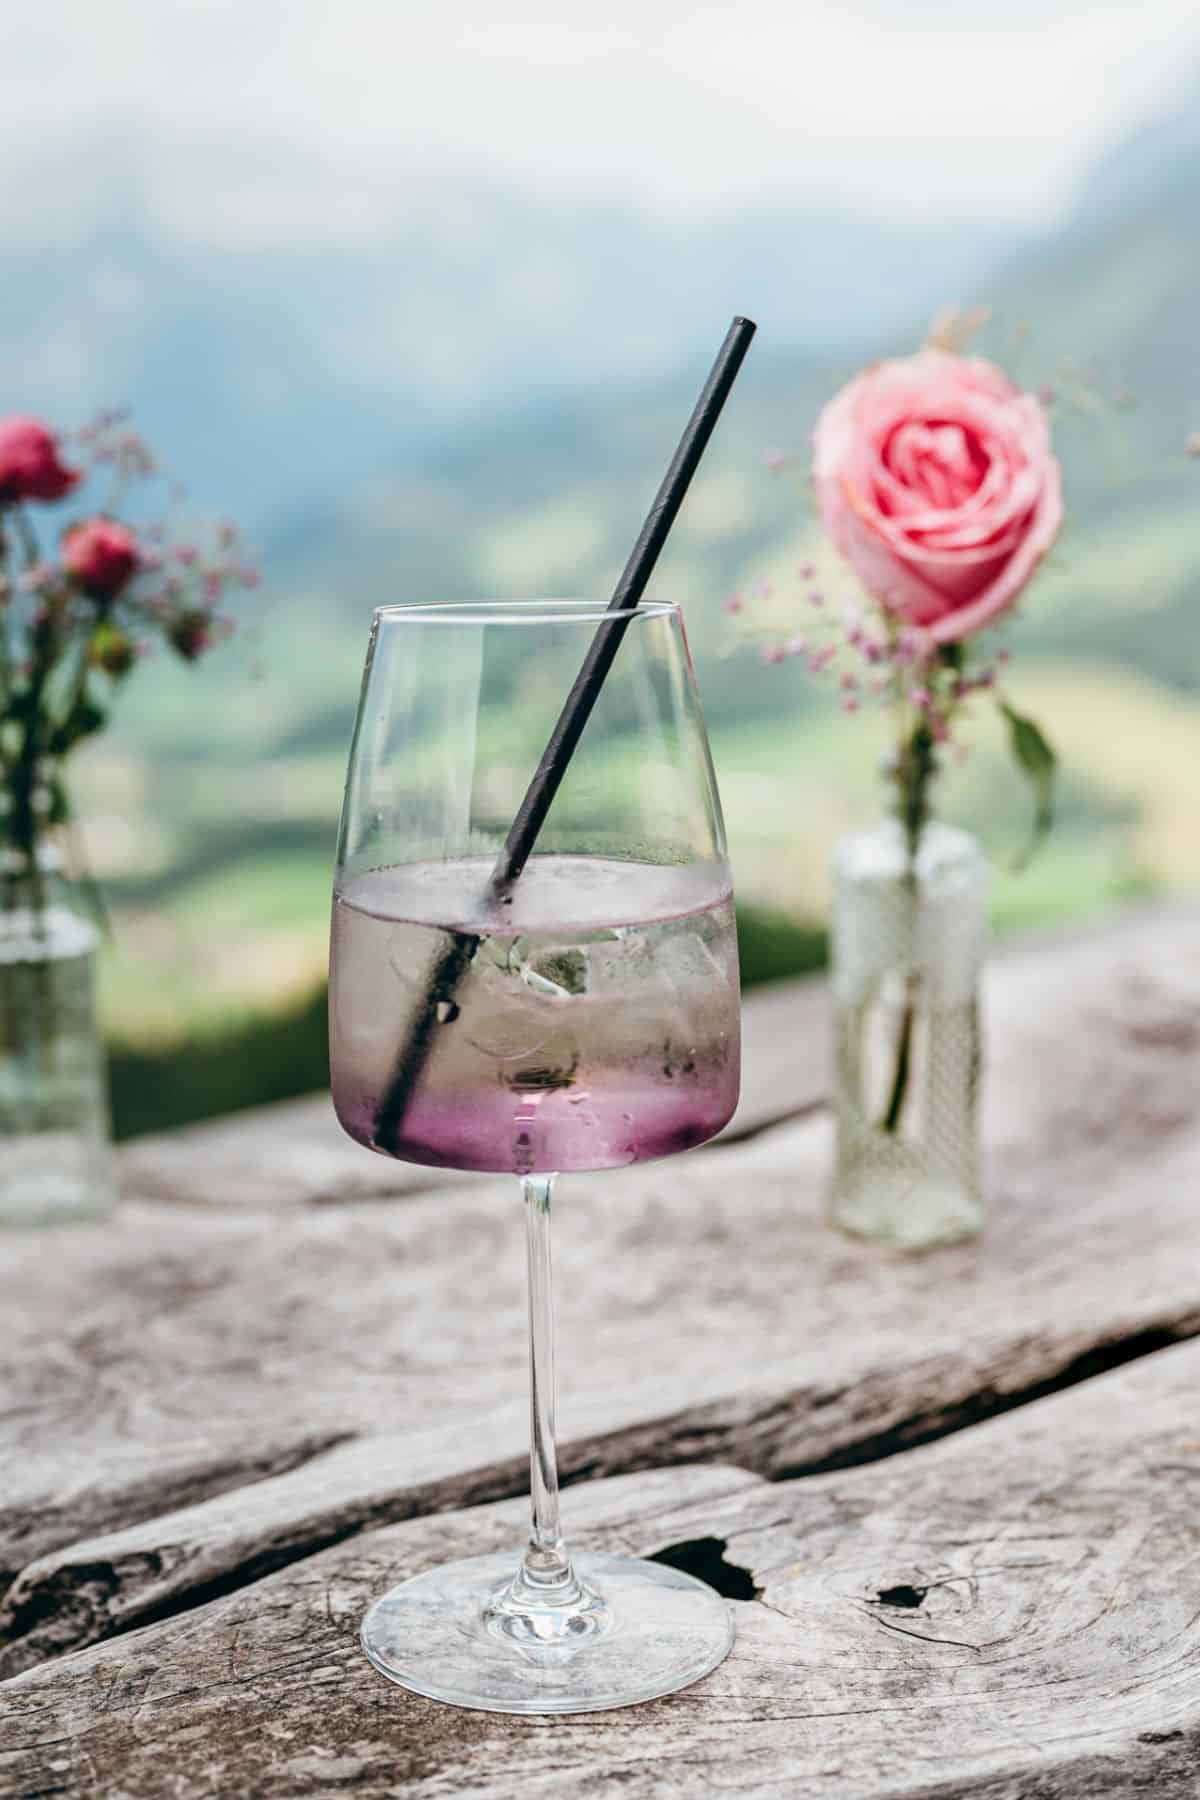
{"x":584,"y":1018}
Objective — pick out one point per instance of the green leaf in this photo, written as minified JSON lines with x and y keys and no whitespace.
{"x":84,"y":718}
{"x":60,"y":805}
{"x":1036,"y":759}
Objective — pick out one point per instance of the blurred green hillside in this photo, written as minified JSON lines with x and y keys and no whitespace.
{"x":210,"y":811}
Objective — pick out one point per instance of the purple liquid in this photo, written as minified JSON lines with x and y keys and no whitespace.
{"x":596,"y":1025}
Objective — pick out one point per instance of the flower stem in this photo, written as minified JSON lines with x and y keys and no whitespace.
{"x":915,"y":767}
{"x":890,"y":1121}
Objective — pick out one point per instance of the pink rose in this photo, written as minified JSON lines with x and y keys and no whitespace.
{"x":936,"y":481}
{"x":30,"y":466}
{"x":101,"y":555}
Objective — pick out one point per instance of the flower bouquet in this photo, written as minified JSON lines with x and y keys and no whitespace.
{"x":79,"y":608}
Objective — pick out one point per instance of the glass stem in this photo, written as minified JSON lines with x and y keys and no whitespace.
{"x":545,"y":1602}
{"x":546,"y":1562}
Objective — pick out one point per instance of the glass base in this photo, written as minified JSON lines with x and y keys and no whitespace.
{"x":54,"y":1178}
{"x":892,"y":1206}
{"x":644,"y":1630}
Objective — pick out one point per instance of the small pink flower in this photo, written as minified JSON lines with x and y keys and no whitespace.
{"x":762,"y":589}
{"x":774,"y":653}
{"x":733,"y":604}
{"x":40,"y":576}
{"x":908,"y":650}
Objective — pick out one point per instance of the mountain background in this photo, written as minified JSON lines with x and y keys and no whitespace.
{"x":480,"y":404}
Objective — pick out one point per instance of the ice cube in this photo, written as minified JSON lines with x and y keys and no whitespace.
{"x":554,"y":972}
{"x":500,"y":1017}
{"x":687,"y":961}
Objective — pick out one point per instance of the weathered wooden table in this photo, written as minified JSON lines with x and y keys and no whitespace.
{"x":955,"y":1500}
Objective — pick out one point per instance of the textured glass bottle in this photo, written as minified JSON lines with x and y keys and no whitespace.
{"x":907,"y":948}
{"x":54,"y":1142}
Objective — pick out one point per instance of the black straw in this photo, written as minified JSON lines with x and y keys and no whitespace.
{"x":452,"y":964}
{"x":626,"y":595}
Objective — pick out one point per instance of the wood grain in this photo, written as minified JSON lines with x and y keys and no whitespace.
{"x":1013,"y":1611}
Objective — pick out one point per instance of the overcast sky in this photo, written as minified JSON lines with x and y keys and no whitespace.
{"x":314,"y":120}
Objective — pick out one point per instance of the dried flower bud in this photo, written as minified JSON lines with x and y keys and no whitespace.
{"x":190,"y":634}
{"x":953,"y":327}
{"x":112,"y":650}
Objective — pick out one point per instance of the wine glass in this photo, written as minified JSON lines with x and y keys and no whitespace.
{"x":582,"y":1016}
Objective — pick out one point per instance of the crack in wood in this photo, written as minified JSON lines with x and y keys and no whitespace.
{"x":705,"y":1559}
{"x":926,"y":1428}
{"x":903,"y":1594}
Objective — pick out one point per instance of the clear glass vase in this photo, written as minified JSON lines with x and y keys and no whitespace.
{"x":55,"y":1161}
{"x":908,"y":940}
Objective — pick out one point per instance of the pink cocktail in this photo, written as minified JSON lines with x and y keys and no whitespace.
{"x":596,"y":1022}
